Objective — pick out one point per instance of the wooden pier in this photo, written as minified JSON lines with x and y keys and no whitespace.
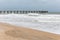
{"x":23,"y":12}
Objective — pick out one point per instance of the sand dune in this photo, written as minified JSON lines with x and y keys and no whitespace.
{"x":11,"y":32}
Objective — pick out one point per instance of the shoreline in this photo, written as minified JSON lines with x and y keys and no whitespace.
{"x":25,"y":33}
{"x":28,"y":22}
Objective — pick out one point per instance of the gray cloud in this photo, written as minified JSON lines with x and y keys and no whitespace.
{"x":30,"y":4}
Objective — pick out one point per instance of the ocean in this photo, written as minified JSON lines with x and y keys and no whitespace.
{"x":43,"y":22}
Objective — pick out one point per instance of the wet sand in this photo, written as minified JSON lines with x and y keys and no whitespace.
{"x":12,"y":32}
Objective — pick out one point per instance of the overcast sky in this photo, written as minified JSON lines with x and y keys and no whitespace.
{"x":50,"y":5}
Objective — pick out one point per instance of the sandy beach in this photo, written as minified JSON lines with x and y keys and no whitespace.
{"x":12,"y":32}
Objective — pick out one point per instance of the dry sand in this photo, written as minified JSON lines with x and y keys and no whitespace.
{"x":11,"y":32}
